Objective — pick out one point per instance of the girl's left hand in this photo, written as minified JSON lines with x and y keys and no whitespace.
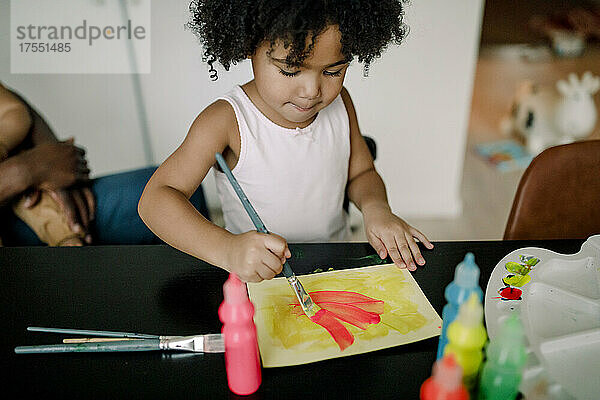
{"x":389,"y":234}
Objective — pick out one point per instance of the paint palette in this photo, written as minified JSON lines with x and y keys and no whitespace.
{"x":558,"y":299}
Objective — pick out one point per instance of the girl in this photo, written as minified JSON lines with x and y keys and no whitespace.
{"x":290,"y":136}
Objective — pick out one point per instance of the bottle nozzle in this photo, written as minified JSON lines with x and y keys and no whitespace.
{"x":467,"y":272}
{"x":234,"y":290}
{"x":469,"y":258}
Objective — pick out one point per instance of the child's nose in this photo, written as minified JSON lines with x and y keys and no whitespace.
{"x":310,"y":88}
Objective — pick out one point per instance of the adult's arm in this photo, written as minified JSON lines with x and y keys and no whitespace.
{"x":16,"y":178}
{"x":15,"y":121}
{"x":40,"y":130}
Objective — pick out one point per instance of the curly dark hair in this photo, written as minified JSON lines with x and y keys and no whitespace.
{"x":231,"y":30}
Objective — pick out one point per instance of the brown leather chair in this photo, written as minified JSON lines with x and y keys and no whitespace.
{"x":559,"y":195}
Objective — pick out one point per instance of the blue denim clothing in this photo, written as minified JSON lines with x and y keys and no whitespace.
{"x":117,"y":220}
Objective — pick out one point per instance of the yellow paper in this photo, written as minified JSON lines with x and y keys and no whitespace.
{"x":286,"y":339}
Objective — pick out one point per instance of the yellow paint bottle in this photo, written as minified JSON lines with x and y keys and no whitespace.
{"x":466,"y":338}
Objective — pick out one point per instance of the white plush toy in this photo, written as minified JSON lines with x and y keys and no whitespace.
{"x":544,"y":117}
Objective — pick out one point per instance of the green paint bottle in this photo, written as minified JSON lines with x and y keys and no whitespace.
{"x":506,"y":358}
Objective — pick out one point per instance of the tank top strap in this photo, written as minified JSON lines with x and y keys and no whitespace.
{"x":246,"y":119}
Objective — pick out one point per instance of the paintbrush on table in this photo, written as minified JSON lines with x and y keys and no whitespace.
{"x":125,"y":341}
{"x":309,"y":307}
{"x":112,"y":336}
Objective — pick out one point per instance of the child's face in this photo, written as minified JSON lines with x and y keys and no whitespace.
{"x":291,"y":96}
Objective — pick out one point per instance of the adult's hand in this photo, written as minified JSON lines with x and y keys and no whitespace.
{"x":60,"y":169}
{"x":56,"y":166}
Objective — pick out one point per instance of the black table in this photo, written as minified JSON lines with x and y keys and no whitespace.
{"x":156,"y":289}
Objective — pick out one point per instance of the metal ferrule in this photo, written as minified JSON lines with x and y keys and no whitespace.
{"x":308,"y":306}
{"x":163,"y":343}
{"x":186,"y":343}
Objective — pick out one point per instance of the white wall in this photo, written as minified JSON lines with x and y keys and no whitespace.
{"x":415,"y":102}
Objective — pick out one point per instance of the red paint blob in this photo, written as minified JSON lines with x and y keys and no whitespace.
{"x":510,"y":293}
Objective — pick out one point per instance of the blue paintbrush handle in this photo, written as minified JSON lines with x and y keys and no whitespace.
{"x":126,"y":345}
{"x":260,"y":226}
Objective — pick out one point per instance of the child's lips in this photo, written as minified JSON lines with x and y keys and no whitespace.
{"x":303,"y":109}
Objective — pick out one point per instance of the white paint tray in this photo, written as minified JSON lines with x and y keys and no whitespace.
{"x":557,"y":297}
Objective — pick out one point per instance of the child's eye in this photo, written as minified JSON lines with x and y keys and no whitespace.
{"x":286,"y":73}
{"x":334,"y":73}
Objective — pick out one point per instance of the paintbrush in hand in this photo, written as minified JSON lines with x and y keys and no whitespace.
{"x":308,"y":306}
{"x":316,"y":314}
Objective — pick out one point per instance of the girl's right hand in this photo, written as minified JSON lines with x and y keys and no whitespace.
{"x":255,"y":256}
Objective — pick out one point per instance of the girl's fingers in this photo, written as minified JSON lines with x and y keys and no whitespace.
{"x":248,"y":275}
{"x":402,"y":249}
{"x":276,"y":245}
{"x":378,"y":245}
{"x":405,"y":253}
{"x":414,"y":248}
{"x":273,"y":263}
{"x":422,"y":238}
{"x":393,"y":250}
{"x":266,"y":272}
{"x":255,"y":278}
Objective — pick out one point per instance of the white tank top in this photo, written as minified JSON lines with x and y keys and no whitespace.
{"x":294,"y":178}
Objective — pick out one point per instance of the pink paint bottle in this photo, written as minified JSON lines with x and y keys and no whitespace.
{"x":446,"y":381}
{"x":241,"y":346}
